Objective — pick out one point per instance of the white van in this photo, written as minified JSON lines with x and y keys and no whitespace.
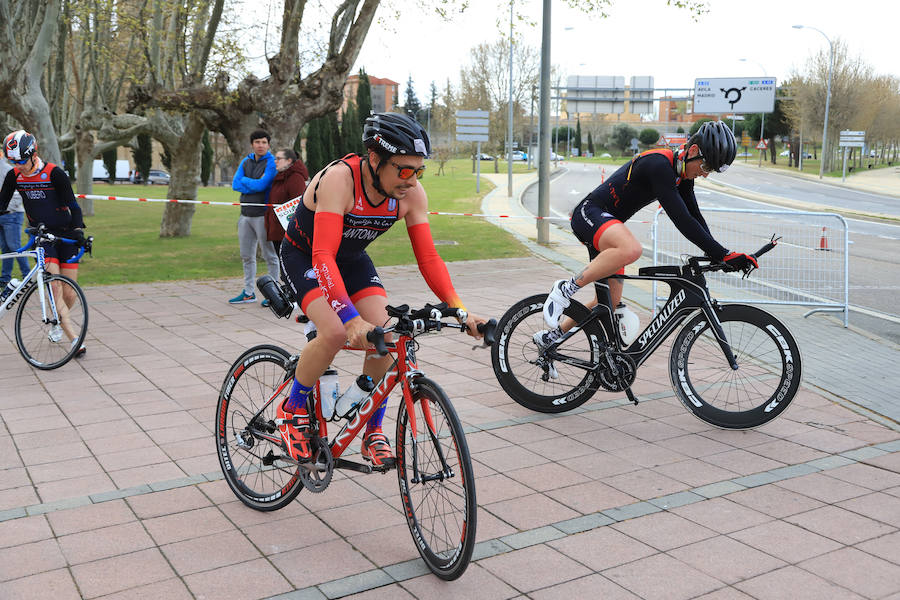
{"x":101,"y":174}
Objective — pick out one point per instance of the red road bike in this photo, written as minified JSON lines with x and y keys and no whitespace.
{"x":433,"y":466}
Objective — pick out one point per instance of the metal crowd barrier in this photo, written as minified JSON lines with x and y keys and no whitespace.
{"x":810,"y":266}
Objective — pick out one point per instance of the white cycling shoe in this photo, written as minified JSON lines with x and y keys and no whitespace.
{"x":555,"y":304}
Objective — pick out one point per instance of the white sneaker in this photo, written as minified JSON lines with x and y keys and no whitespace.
{"x":555,"y":304}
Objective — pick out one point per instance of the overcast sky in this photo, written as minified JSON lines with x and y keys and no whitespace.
{"x":641,"y":37}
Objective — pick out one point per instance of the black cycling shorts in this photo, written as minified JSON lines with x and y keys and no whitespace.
{"x":59,"y":253}
{"x":589,"y":221}
{"x":358,"y":273}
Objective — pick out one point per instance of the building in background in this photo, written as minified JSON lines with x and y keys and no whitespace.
{"x":384,"y":92}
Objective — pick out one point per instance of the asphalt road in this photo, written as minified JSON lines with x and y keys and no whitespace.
{"x":874,"y":258}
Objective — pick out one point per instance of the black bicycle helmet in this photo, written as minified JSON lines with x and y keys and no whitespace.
{"x":716,"y":143}
{"x":19,"y":146}
{"x":396,"y":134}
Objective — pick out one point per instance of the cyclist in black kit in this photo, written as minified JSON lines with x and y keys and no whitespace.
{"x":48,"y":198}
{"x":662,"y":175}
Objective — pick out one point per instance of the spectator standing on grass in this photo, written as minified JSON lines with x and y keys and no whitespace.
{"x":253,"y":179}
{"x":11,"y":232}
{"x":289,"y":183}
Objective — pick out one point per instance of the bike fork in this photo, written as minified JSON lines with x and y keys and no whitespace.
{"x":716,"y":326}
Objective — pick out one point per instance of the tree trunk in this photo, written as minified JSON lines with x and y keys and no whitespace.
{"x":84,"y":152}
{"x":176,"y":219}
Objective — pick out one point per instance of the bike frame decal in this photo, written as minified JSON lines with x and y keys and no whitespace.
{"x":352,"y":427}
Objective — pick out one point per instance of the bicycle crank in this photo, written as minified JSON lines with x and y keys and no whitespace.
{"x":617,"y":372}
{"x":316,"y":474}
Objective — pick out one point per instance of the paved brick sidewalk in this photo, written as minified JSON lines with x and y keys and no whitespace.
{"x":110,"y":486}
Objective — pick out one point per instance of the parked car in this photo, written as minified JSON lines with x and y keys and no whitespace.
{"x":743,"y":154}
{"x":788,"y":152}
{"x":155,"y":176}
{"x":519,"y":155}
{"x":606,"y":155}
{"x":484,"y":156}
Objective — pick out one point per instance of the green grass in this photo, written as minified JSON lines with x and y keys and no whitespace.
{"x":128,"y":248}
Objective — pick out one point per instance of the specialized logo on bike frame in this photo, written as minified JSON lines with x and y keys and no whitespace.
{"x":656,"y":324}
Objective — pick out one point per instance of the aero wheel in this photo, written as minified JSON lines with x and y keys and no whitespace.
{"x":549,"y":382}
{"x":436,"y":481}
{"x":248,"y":452}
{"x":51,"y":327}
{"x":765,"y":382}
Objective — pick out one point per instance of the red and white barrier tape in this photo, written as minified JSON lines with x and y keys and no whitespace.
{"x":210,"y":202}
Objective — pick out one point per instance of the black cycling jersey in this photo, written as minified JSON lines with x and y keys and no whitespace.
{"x":47,"y":197}
{"x":364,"y":223}
{"x":653,"y":177}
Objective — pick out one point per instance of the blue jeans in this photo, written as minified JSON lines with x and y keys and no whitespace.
{"x":10,"y":240}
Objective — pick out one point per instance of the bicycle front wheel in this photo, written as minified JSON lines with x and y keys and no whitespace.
{"x":532,"y":378}
{"x":49,"y":333}
{"x":762,"y":387}
{"x":437,"y":484}
{"x":250,"y":462}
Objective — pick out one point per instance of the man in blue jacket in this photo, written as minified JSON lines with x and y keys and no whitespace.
{"x":253,"y":179}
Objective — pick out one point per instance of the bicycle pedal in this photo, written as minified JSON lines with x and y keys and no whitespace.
{"x":387,"y":465}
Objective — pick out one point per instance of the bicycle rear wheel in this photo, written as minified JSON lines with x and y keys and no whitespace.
{"x":758,"y":391}
{"x":251,"y":464}
{"x":530,"y":378}
{"x":52,"y":342}
{"x":437,"y":484}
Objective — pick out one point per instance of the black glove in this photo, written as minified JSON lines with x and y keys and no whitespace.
{"x":77,"y":235}
{"x":739,"y":261}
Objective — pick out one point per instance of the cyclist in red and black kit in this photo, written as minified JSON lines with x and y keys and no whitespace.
{"x":664,"y":176}
{"x":47,"y":198}
{"x":347,"y":205}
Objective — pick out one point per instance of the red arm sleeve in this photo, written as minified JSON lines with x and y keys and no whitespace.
{"x":328,"y":228}
{"x":432,"y":266}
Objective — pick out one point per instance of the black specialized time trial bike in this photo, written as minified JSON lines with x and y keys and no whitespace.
{"x":733,"y":366}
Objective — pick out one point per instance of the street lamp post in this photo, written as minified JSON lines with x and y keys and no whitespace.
{"x":509,"y":133}
{"x":827,"y":94}
{"x":543,"y":226}
{"x":762,"y":120}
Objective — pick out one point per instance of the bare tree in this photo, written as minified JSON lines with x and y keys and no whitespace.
{"x":26,"y":39}
{"x":285,"y":101}
{"x":847,"y":93}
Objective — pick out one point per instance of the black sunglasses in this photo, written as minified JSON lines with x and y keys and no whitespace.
{"x":405,"y":172}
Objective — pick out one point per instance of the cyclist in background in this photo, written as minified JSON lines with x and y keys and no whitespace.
{"x":48,"y":198}
{"x":662,"y":175}
{"x":347,"y":205}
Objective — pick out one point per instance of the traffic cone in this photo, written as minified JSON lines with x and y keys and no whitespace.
{"x":602,"y":174}
{"x":823,"y":242}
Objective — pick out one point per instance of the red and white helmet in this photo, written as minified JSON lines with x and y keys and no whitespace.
{"x":19,"y":146}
